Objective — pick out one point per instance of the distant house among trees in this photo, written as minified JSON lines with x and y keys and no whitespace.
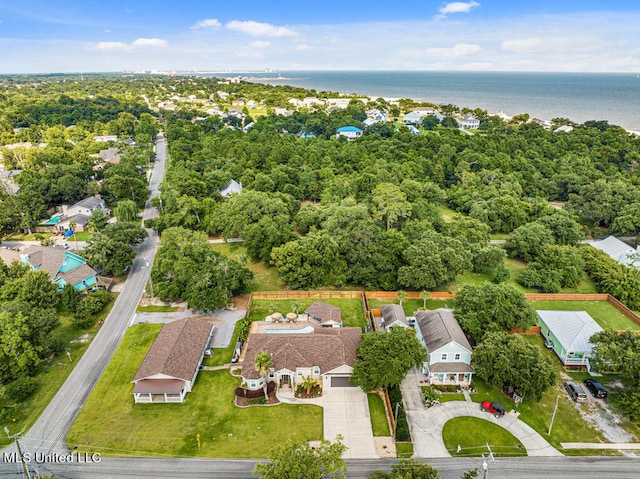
{"x":469,"y":122}
{"x":619,"y":251}
{"x":233,"y":187}
{"x":349,"y":132}
{"x":78,"y":213}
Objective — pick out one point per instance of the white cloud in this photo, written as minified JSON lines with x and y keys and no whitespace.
{"x":303,"y":47}
{"x":212,"y":23}
{"x":110,"y":46}
{"x":456,"y":7}
{"x":106,"y":30}
{"x":459,"y":50}
{"x":258,"y":29}
{"x":528,"y":45}
{"x":150,"y":42}
{"x":260,"y":44}
{"x":121,"y":46}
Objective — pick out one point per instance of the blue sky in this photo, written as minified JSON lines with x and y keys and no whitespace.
{"x":507,"y":35}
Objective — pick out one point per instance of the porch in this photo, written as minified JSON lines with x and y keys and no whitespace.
{"x":445,"y":374}
{"x":159,"y":391}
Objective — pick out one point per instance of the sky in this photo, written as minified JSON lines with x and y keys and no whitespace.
{"x":43,"y":36}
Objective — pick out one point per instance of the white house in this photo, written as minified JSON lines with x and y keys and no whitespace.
{"x":569,"y":333}
{"x":105,"y":138}
{"x":171,"y":365}
{"x":349,"y":132}
{"x":233,"y":187}
{"x":469,"y":122}
{"x":412,"y":118}
{"x":449,"y":360}
{"x":619,"y":250}
{"x":324,"y":354}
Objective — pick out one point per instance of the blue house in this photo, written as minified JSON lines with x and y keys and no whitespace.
{"x":349,"y":132}
{"x":449,"y":351}
{"x":64,"y":267}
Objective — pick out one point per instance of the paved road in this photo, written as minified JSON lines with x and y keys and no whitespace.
{"x":508,"y":468}
{"x":49,"y":431}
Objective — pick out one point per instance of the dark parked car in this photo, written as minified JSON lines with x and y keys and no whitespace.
{"x":597,"y":389}
{"x":495,"y":408}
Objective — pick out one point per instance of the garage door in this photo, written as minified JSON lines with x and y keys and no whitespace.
{"x":341,"y":382}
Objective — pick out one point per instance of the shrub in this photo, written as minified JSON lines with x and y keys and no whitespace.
{"x":21,"y":389}
{"x":262,"y":400}
{"x":88,"y":307}
{"x":240,"y":392}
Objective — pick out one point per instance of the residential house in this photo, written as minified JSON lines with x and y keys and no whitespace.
{"x":448,"y":349}
{"x":413,"y":118}
{"x":233,"y":187}
{"x":619,"y":250}
{"x":393,"y":316}
{"x":105,"y":138}
{"x":128,"y":142}
{"x":247,"y":127}
{"x":349,"y":132}
{"x":108,"y":155}
{"x":63,"y":266}
{"x":237,"y":102}
{"x":564,"y":129}
{"x":306,"y":135}
{"x":413,"y":130}
{"x":341,"y":103}
{"x":324,"y":354}
{"x":325,"y":314}
{"x":79,"y":213}
{"x":469,"y":122}
{"x":568,"y":334}
{"x":169,"y":370}
{"x":282,"y":111}
{"x":7,"y":183}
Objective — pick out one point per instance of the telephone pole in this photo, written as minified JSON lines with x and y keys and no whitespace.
{"x":25,"y":469}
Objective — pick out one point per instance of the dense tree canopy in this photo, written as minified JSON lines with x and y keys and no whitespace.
{"x":385,"y":357}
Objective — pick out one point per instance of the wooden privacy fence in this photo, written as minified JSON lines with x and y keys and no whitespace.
{"x":307,"y":294}
{"x":410,"y":295}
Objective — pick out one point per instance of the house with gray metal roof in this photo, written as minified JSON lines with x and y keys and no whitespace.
{"x":448,"y":349}
{"x":619,"y":250}
{"x":568,"y":333}
{"x":393,"y":316}
{"x":233,"y":187}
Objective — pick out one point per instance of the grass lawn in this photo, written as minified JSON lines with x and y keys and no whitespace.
{"x":601,"y":311}
{"x":117,"y":426}
{"x":156,"y":309}
{"x":52,"y":373}
{"x":447,"y":213}
{"x":410,"y":306}
{"x":351,"y":309}
{"x":265,"y":278}
{"x":502,"y":442}
{"x":404,"y":449}
{"x":378,"y":414}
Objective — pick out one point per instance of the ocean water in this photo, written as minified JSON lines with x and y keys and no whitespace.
{"x":614,"y":97}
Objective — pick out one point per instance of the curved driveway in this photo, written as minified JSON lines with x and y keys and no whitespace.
{"x":426,"y":425}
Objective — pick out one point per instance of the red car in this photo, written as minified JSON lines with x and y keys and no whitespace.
{"x":495,"y":408}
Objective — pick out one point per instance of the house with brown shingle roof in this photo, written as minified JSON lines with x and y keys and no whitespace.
{"x":171,"y":365}
{"x":326,"y":354}
{"x":63,"y":266}
{"x":448,"y":349}
{"x":325,"y":314}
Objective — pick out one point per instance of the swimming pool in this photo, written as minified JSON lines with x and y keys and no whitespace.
{"x":305,"y":330}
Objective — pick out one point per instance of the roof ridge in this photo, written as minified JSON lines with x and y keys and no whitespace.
{"x":170,"y":351}
{"x":446,"y":326}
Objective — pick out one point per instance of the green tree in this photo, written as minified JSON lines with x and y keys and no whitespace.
{"x":97,"y":220}
{"x":488,"y":258}
{"x":385,"y":357}
{"x":112,"y":249}
{"x":126,"y":210}
{"x":289,"y":460}
{"x":491,"y":308}
{"x":37,"y":289}
{"x":307,"y":384}
{"x":389,"y":203}
{"x":508,"y":362}
{"x":528,"y":240}
{"x":424,"y":296}
{"x":617,"y":352}
{"x":311,"y":261}
{"x":411,"y":469}
{"x":432,"y":261}
{"x":70,"y":298}
{"x":262,"y":364}
{"x":402,"y":295}
{"x":18,"y":355}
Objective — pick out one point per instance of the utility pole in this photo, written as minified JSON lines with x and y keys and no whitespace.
{"x":485,"y":464}
{"x":25,"y":469}
{"x":553,"y":416}
{"x":395,"y":421}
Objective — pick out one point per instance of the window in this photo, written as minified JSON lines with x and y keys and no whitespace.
{"x":443,"y":357}
{"x":316,"y":370}
{"x":457,"y":357}
{"x":299,"y":373}
{"x":272,"y":374}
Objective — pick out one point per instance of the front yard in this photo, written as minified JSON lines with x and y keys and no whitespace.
{"x":112,"y":424}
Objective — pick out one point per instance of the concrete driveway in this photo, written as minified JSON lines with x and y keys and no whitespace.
{"x":426,"y":425}
{"x":345,"y":412}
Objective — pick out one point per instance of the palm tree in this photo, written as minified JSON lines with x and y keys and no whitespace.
{"x":72,"y":227}
{"x":307,"y":384}
{"x":424,"y":295}
{"x":262,"y":363}
{"x":296,"y":306}
{"x":402,"y":295}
